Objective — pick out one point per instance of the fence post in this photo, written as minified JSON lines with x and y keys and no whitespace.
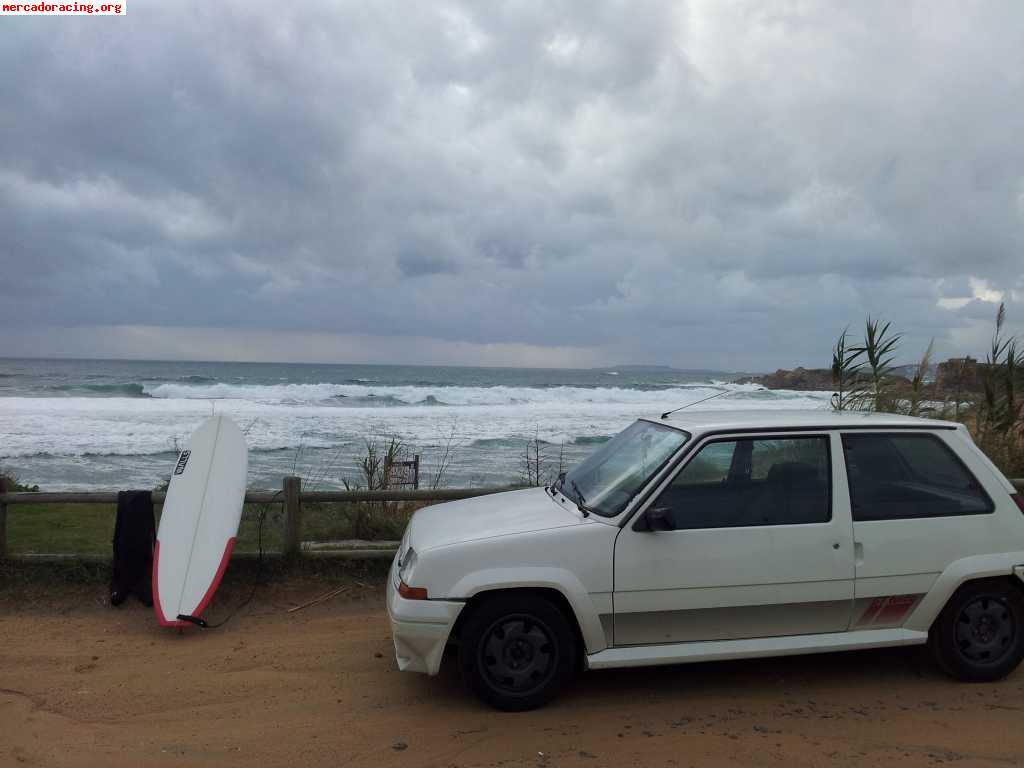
{"x":292,"y":515}
{"x":5,"y":487}
{"x":3,"y":528}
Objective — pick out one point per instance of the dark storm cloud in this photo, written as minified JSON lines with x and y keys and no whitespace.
{"x":704,"y":184}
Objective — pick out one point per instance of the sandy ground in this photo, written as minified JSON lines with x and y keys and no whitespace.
{"x":82,"y":684}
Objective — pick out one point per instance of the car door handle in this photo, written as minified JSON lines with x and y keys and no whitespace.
{"x":835,"y":545}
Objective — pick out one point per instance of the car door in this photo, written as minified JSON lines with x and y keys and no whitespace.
{"x":915,"y":508}
{"x":760,"y":546}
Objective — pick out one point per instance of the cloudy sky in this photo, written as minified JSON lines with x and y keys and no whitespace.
{"x":702,"y":184}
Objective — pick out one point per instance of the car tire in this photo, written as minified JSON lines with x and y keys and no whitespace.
{"x":979,"y":636}
{"x":517,"y":651}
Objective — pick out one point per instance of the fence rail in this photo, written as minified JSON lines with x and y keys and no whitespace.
{"x":291,"y":497}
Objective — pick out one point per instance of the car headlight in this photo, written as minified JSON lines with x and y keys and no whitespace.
{"x":406,"y":564}
{"x":405,"y":568}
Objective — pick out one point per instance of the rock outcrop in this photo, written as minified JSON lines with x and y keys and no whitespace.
{"x":801,"y":379}
{"x":953,"y":376}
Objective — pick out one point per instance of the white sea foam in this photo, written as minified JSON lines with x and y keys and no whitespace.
{"x":288,"y":416}
{"x":449,"y":395}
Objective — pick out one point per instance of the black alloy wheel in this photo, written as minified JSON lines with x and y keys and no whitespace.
{"x":517,"y":650}
{"x":979,"y":636}
{"x":985,"y":630}
{"x":518,"y":654}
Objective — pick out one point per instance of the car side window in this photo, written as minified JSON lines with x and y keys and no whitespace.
{"x":712,"y":464}
{"x":900,"y":476}
{"x":752,"y":482}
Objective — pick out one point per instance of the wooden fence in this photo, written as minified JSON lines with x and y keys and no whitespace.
{"x":291,"y":497}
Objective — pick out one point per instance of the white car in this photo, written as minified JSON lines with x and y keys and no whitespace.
{"x":722,"y":535}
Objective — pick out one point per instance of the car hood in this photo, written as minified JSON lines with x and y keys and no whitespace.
{"x":485,"y":517}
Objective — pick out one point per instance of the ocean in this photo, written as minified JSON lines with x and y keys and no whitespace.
{"x":102,"y":424}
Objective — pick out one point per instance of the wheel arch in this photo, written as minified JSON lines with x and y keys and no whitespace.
{"x":990,"y":647}
{"x":1007,"y":565}
{"x":548,"y":593}
{"x":560,"y":587}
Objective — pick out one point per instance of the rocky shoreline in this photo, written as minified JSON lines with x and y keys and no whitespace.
{"x":956,"y":375}
{"x":799,"y":379}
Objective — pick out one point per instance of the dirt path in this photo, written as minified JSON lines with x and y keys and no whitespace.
{"x":90,"y":686}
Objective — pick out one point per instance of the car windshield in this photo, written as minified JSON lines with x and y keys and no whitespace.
{"x":607,"y":479}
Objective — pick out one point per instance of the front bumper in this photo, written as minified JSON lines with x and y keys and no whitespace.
{"x":420,"y":628}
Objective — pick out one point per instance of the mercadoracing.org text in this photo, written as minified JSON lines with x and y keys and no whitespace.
{"x":63,"y":9}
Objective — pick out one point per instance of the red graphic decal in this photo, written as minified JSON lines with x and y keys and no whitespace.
{"x":896,"y":608}
{"x":872,"y":610}
{"x":887,"y":610}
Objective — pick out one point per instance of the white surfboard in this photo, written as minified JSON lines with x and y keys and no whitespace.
{"x":200,"y":520}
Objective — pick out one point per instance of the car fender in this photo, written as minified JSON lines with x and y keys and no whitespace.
{"x":957,"y":573}
{"x":588,"y":615}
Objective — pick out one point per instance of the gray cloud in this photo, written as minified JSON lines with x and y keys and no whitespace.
{"x":703,"y":184}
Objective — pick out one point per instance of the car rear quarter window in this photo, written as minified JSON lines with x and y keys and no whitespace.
{"x":901,"y":476}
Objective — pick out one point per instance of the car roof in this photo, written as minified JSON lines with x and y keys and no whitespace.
{"x":734,"y":420}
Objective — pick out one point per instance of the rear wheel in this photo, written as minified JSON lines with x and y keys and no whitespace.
{"x":979,"y":636}
{"x":517,"y":652}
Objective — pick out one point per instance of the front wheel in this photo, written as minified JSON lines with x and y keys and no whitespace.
{"x":979,"y":636}
{"x":517,"y":652}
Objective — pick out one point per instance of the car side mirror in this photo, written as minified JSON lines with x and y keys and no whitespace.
{"x":659,"y":519}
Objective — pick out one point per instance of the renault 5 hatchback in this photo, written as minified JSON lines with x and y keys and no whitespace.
{"x":722,"y":535}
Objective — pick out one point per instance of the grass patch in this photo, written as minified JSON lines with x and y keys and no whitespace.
{"x":74,"y":529}
{"x":373,"y":521}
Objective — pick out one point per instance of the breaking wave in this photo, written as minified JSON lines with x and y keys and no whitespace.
{"x":449,"y":395}
{"x":103,"y":390}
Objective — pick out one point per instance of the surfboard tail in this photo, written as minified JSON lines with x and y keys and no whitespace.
{"x":195,"y":617}
{"x":224,"y":560}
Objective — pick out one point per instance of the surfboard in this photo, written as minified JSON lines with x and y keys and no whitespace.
{"x":199,"y":522}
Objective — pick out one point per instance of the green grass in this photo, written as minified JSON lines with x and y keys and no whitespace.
{"x":87,"y":529}
{"x":328,"y":522}
{"x":80,"y":529}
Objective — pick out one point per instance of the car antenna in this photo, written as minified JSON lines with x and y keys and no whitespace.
{"x":666,"y":414}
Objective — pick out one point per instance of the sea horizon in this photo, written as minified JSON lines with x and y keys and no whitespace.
{"x":619,"y":366}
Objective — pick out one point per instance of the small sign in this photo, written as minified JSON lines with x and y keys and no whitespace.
{"x":182,"y":461}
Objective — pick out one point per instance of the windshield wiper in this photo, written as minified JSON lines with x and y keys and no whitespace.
{"x":581,"y":503}
{"x":556,"y":485}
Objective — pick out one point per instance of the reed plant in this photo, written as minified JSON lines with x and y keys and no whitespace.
{"x":847,"y":367}
{"x":987,"y":398}
{"x":879,"y":350}
{"x":919,"y":389}
{"x":999,"y":410}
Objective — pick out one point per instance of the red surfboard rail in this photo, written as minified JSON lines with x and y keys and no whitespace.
{"x":225,"y":558}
